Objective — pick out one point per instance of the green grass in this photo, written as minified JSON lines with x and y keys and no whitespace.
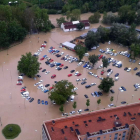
{"x":11,"y":131}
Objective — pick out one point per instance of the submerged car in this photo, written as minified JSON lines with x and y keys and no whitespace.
{"x":84,"y":82}
{"x":87,"y":86}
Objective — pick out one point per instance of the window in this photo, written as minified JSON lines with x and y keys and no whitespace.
{"x":98,"y":138}
{"x":104,"y":137}
{"x":116,"y":135}
{"x":119,"y":134}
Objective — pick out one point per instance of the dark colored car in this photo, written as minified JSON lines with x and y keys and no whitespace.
{"x":86,"y":96}
{"x":43,"y":70}
{"x":47,"y":62}
{"x":31,"y":100}
{"x":58,"y":55}
{"x":108,"y":70}
{"x":59,"y":68}
{"x":72,"y":71}
{"x":100,"y":93}
{"x":83,"y":83}
{"x":47,"y":85}
{"x":65,"y":67}
{"x":125,"y":68}
{"x":55,"y":81}
{"x":113,"y":64}
{"x":112,"y":91}
{"x":138,"y":73}
{"x":135,"y":68}
{"x":38,"y":75}
{"x":86,"y":109}
{"x":123,"y":102}
{"x":123,"y":88}
{"x":87,"y":86}
{"x":117,"y":74}
{"x":62,"y":58}
{"x":52,"y":65}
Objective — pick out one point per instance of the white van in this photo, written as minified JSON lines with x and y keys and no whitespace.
{"x":86,"y":54}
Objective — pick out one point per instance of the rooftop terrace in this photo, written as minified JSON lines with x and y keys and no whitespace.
{"x":80,"y":124}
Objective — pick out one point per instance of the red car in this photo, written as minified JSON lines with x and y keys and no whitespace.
{"x":51,"y":88}
{"x":69,"y":75}
{"x":61,"y":65}
{"x":100,"y":57}
{"x":43,"y":45}
{"x":40,"y":68}
{"x":20,"y":80}
{"x":51,"y":60}
{"x":53,"y":76}
{"x":102,"y":72}
{"x":19,"y":84}
{"x":23,"y":89}
{"x":78,"y":74}
{"x":42,"y":58}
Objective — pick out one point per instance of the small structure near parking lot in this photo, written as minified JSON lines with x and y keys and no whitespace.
{"x":69,"y":45}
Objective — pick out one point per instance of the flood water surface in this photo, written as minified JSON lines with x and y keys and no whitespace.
{"x":30,"y":116}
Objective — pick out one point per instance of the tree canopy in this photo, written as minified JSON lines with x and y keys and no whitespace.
{"x":60,"y":21}
{"x":88,"y":103}
{"x":106,"y":84}
{"x":92,"y":40}
{"x":93,"y":59}
{"x":73,"y":15}
{"x":74,"y":105}
{"x":134,"y":50}
{"x":80,"y":51}
{"x":28,"y":65}
{"x":80,"y":26}
{"x":94,"y":18}
{"x":62,"y":92}
{"x":105,"y":62}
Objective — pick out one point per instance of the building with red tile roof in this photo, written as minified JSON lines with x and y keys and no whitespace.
{"x":118,"y":123}
{"x":71,"y":26}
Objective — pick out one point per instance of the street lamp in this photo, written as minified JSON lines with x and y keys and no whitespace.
{"x":132,"y":98}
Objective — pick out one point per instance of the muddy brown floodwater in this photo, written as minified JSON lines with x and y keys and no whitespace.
{"x":30,"y":116}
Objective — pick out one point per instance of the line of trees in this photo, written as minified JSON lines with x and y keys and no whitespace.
{"x":16,"y":21}
{"x":118,"y":33}
{"x":127,"y":14}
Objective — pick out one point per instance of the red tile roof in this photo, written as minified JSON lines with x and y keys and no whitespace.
{"x":70,"y":25}
{"x":103,"y":125}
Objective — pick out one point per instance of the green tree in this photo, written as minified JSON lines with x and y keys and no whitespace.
{"x":98,"y":101}
{"x":94,"y":18}
{"x":111,"y":99}
{"x":80,"y":26}
{"x":74,"y":105}
{"x":80,"y":51}
{"x":60,"y":21}
{"x":134,"y":50}
{"x":4,"y":37}
{"x":93,"y":59}
{"x":16,"y":32}
{"x":28,"y":65}
{"x":106,"y":84}
{"x":62,"y":91}
{"x":88,"y":103}
{"x":105,"y":62}
{"x":61,"y":108}
{"x":92,"y":40}
{"x":109,"y":18}
{"x":126,"y":14}
{"x":73,"y":15}
{"x":85,"y":8}
{"x":104,"y":34}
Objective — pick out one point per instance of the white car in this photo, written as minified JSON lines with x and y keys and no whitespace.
{"x":84,"y":79}
{"x":72,"y":112}
{"x":80,"y":64}
{"x":41,"y":81}
{"x":57,"y":67}
{"x":53,"y":102}
{"x":93,"y":94}
{"x":62,"y":53}
{"x":65,"y":114}
{"x":47,"y":72}
{"x":129,"y":69}
{"x":92,"y":84}
{"x":120,"y":89}
{"x":100,"y":66}
{"x":110,"y":105}
{"x":139,"y":63}
{"x":76,"y":88}
{"x":77,"y":80}
{"x":91,"y":73}
{"x":76,"y":73}
{"x":79,"y":111}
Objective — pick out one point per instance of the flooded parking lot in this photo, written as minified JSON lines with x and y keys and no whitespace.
{"x":30,"y":116}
